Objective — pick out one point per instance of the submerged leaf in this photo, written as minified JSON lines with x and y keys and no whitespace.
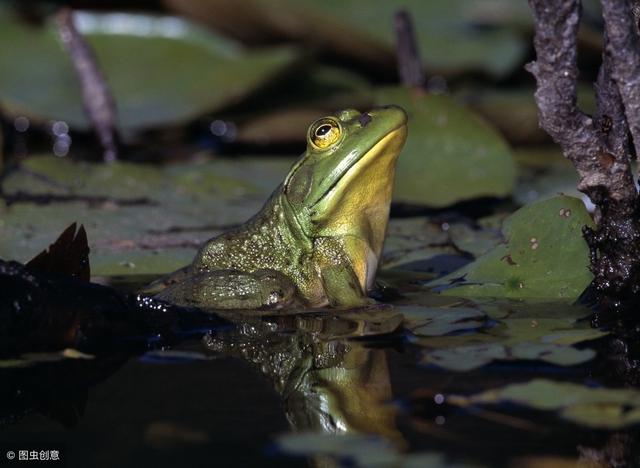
{"x":544,"y":256}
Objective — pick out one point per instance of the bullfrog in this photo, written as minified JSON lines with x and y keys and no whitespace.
{"x":318,"y":239}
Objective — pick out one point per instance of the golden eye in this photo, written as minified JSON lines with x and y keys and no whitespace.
{"x":324,"y":132}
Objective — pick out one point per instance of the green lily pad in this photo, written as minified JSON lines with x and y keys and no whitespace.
{"x":466,"y":358}
{"x":161,"y":70}
{"x":140,"y":219}
{"x":515,"y":333}
{"x":560,"y":330}
{"x":418,"y":239}
{"x":606,"y":408}
{"x":448,"y":43}
{"x":544,"y":256}
{"x":427,"y":321}
{"x":451,"y":154}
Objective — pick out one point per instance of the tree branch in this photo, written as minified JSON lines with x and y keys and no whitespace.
{"x":602,"y":163}
{"x":624,"y":48}
{"x":613,"y":131}
{"x":99,"y":105}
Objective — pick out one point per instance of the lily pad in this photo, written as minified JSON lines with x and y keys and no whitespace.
{"x":466,"y":358}
{"x":448,"y":42}
{"x":413,"y":242}
{"x":161,"y":70}
{"x":544,"y":256}
{"x":426,"y":321}
{"x":607,"y":408}
{"x":140,"y":219}
{"x":522,"y":331}
{"x":451,"y":154}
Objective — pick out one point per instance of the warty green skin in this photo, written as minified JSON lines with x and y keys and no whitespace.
{"x":297,"y":249}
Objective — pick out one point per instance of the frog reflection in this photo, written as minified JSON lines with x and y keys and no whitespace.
{"x":327,"y":384}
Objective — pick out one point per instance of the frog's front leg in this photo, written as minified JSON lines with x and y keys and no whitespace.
{"x":342,"y":287}
{"x":232,"y":289}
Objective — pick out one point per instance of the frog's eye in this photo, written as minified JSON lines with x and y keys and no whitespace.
{"x":324,"y":132}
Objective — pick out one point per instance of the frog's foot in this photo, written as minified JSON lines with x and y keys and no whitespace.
{"x":231,"y":289}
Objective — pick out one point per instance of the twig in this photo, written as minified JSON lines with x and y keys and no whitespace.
{"x":98,"y":102}
{"x":410,"y":66}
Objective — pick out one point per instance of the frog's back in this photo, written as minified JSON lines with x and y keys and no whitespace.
{"x":264,"y":241}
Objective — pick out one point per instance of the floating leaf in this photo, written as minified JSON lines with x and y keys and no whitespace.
{"x":140,"y":219}
{"x":467,"y":358}
{"x":416,"y":240}
{"x":161,"y":70}
{"x":544,"y":256}
{"x":447,"y":41}
{"x":609,"y":408}
{"x":451,"y":154}
{"x":426,"y":321}
{"x":561,"y":330}
{"x":518,"y":333}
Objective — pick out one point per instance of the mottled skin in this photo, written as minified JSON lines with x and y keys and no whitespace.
{"x":318,"y":238}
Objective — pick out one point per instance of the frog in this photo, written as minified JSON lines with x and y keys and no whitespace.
{"x":318,"y":239}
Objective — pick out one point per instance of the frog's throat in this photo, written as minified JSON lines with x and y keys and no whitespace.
{"x":295,"y":228}
{"x":382,"y":154}
{"x":358,"y":203}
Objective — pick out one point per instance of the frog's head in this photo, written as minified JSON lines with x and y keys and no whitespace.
{"x":342,"y":184}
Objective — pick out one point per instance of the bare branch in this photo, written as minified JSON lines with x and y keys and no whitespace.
{"x":613,"y":131}
{"x":624,"y":48}
{"x":410,"y":66}
{"x":602,"y":166}
{"x":556,"y":70}
{"x":99,"y":105}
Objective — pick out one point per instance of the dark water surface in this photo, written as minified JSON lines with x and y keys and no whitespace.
{"x":228,"y":398}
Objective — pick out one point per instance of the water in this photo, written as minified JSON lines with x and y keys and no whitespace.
{"x":274,"y":389}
